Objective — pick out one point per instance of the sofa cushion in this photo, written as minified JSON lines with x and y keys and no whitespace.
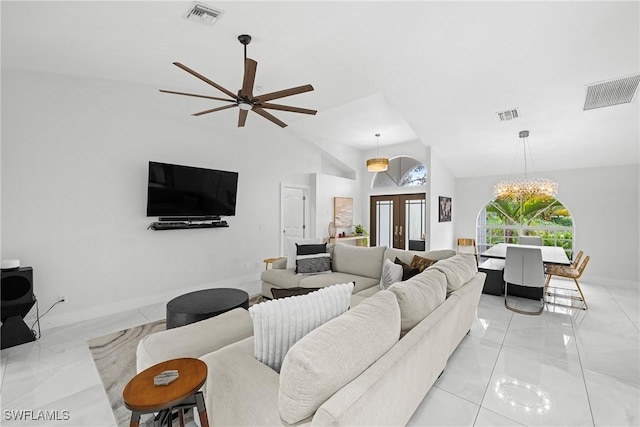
{"x":407,"y":256}
{"x":323,"y":280}
{"x":331,"y":356}
{"x":279,"y":323}
{"x":458,"y":269}
{"x":419,"y":296}
{"x":391,"y":273}
{"x":284,"y":278}
{"x":358,"y":260}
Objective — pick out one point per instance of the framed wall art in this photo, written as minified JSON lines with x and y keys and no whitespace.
{"x":342,"y":212}
{"x":444,"y":209}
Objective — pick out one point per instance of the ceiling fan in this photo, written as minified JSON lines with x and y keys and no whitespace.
{"x":245,"y":100}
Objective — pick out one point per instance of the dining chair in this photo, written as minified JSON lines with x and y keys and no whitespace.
{"x":530,"y":240}
{"x":569,"y":272}
{"x":523,"y":267}
{"x":467,"y":246}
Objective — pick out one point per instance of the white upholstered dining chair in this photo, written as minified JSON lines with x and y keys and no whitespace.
{"x":523,"y":267}
{"x":530,"y":240}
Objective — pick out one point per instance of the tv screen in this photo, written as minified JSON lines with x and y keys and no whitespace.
{"x":186,"y":191}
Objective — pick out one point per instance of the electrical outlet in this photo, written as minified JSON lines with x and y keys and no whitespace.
{"x":63,"y":298}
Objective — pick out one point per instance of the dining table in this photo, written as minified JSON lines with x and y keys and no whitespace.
{"x":550,"y":254}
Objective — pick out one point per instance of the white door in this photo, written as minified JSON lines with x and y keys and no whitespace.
{"x":294,"y":214}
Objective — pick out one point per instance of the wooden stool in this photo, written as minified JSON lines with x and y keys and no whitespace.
{"x":141,"y":396}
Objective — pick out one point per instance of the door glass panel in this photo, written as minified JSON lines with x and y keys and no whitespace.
{"x":384,"y":225}
{"x":415,"y":218}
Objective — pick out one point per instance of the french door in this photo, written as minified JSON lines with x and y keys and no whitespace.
{"x":398,"y":221}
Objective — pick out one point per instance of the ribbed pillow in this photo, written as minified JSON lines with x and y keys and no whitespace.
{"x":459,"y":270}
{"x":333,"y":355}
{"x":279,"y":323}
{"x":419,"y":296}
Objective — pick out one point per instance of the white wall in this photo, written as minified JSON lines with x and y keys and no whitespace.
{"x":442,"y":184}
{"x":74,"y":173}
{"x":604,"y":205}
{"x":328,"y":187}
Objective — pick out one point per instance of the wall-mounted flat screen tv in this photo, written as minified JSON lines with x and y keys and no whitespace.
{"x":186,"y":191}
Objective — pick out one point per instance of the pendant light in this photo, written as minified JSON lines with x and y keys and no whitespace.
{"x":525,"y":188}
{"x":377,"y":164}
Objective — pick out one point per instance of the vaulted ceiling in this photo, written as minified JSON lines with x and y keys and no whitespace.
{"x":436,"y":72}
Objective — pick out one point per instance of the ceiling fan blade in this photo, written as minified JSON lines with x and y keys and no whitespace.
{"x":242,"y":118}
{"x":288,"y":108}
{"x":197,"y":96}
{"x":250,"y":67}
{"x":206,"y":80}
{"x":269,"y":117}
{"x":213,"y":110}
{"x":284,"y":93}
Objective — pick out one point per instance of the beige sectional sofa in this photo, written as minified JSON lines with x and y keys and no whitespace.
{"x":360,"y":265}
{"x":372,"y":365}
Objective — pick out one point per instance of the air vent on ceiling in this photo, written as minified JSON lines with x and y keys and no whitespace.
{"x":203,"y":14}
{"x":611,"y":92}
{"x":509,"y":114}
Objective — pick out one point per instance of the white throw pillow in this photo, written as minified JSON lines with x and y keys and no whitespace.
{"x":279,"y":323}
{"x":391,"y":273}
{"x":290,"y":249}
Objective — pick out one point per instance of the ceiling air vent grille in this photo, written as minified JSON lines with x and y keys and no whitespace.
{"x":507,"y":115}
{"x":203,"y":14}
{"x":611,"y":92}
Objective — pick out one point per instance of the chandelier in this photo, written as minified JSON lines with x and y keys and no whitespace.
{"x":377,"y":164}
{"x":525,"y":188}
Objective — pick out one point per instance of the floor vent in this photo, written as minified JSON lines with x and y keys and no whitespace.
{"x":510,"y":114}
{"x":203,"y":14}
{"x":611,"y":92}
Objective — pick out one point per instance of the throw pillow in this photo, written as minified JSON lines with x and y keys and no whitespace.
{"x":407,"y":271}
{"x":279,"y":323}
{"x":333,"y":355}
{"x":291,"y":292}
{"x":421,"y":263}
{"x":290,"y":250}
{"x":391,"y":273}
{"x":313,"y":264}
{"x":311,"y":249}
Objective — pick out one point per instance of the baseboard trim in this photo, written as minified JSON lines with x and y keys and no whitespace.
{"x":249,"y":283}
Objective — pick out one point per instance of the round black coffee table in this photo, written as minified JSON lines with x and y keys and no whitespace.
{"x":200,"y":305}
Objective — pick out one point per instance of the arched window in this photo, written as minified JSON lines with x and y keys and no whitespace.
{"x":402,"y":172}
{"x":504,"y":220}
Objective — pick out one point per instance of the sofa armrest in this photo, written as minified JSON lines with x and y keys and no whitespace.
{"x":240,"y":390}
{"x":195,"y":339}
{"x":280,"y":263}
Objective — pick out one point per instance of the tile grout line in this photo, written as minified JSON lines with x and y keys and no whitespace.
{"x":492,"y":371}
{"x":584,"y":379}
{"x":613,"y":297}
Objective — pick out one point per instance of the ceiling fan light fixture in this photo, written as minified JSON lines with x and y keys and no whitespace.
{"x":243,"y":105}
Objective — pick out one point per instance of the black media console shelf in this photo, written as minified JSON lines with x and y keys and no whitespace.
{"x":182,"y":225}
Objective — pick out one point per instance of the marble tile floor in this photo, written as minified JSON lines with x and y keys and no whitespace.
{"x":565,"y":367}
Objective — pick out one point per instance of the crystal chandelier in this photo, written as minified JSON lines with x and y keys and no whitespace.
{"x":525,"y":188}
{"x":377,"y":164}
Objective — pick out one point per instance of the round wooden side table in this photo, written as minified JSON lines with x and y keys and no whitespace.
{"x":141,"y":396}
